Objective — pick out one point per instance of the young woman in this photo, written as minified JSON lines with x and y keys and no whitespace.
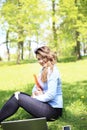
{"x":46,"y":99}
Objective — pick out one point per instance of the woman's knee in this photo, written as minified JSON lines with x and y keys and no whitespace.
{"x":16,"y":95}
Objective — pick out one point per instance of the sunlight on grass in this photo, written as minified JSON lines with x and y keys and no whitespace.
{"x":17,"y":76}
{"x":73,"y":71}
{"x":77,"y":111}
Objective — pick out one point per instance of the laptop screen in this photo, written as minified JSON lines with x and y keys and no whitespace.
{"x":28,"y":124}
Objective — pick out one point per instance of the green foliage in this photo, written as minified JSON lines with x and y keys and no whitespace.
{"x":67,"y":59}
{"x":74,"y":78}
{"x":23,"y":16}
{"x":74,"y":19}
{"x":34,"y":18}
{"x":67,"y":49}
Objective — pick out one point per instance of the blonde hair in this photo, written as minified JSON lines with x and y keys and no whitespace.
{"x":51,"y":57}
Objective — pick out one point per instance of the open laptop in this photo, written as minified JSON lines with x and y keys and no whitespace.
{"x":27,"y":124}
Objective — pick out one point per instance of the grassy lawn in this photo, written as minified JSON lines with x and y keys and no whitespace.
{"x":74,"y":78}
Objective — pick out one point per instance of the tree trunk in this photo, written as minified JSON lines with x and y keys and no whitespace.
{"x":29,"y":49}
{"x":54,"y":24}
{"x":8,"y":52}
{"x":22,"y":50}
{"x":78,"y":46}
{"x":77,"y":41}
{"x":18,"y":53}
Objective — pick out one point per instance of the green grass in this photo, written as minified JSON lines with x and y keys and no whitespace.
{"x":74,"y":78}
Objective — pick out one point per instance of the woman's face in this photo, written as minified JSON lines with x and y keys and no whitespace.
{"x":42,"y":60}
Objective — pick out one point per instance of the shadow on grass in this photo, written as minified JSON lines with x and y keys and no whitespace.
{"x":75,"y":106}
{"x":74,"y":92}
{"x":70,"y":59}
{"x":11,"y":63}
{"x":4,"y":96}
{"x":20,"y":114}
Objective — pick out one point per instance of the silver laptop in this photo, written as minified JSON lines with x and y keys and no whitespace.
{"x":28,"y":124}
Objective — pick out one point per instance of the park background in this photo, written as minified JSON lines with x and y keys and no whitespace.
{"x":62,"y":25}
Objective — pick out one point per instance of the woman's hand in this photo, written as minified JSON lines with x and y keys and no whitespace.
{"x":37,"y":93}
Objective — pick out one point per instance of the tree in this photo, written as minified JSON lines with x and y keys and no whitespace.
{"x":23,"y":18}
{"x":72,"y":15}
